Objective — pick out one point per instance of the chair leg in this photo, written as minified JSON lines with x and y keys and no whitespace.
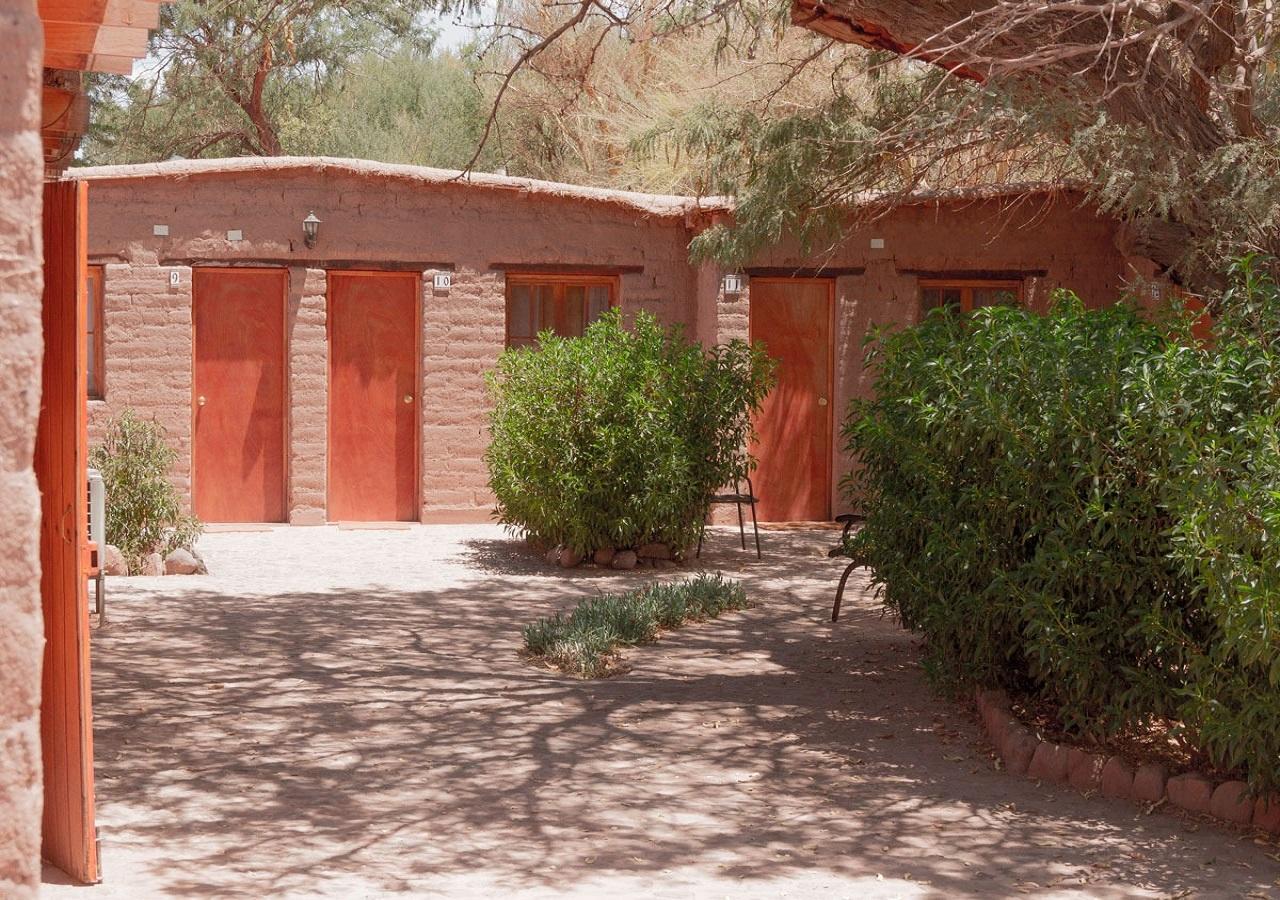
{"x":755,"y":526}
{"x":844,"y":579}
{"x":742,"y":526}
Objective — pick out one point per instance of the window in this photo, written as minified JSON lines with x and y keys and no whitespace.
{"x":565,"y":304}
{"x":94,"y":319}
{"x":966,"y":296}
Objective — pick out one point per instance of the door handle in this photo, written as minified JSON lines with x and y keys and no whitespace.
{"x":822,"y":401}
{"x":408,"y":398}
{"x":200,"y":400}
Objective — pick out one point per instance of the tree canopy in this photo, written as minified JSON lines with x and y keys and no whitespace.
{"x":227,"y":78}
{"x":1163,"y":112}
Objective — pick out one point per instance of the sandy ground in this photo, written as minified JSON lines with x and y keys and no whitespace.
{"x":343,"y":713}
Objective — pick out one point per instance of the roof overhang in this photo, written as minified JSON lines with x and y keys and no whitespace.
{"x":85,"y":36}
{"x":847,"y":28}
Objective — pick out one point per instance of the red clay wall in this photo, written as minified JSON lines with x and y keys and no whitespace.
{"x":476,"y":233}
{"x":21,"y":630}
{"x":1074,"y":249}
{"x":367,"y":222}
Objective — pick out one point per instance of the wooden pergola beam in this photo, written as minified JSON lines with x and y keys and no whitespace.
{"x":126,"y":13}
{"x":86,"y":36}
{"x":97,"y":35}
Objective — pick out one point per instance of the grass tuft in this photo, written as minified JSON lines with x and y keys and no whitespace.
{"x":583,"y":642}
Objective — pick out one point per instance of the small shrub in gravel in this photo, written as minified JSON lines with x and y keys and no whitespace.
{"x":583,"y":642}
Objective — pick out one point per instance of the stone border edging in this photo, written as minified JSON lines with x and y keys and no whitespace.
{"x":1025,"y":754}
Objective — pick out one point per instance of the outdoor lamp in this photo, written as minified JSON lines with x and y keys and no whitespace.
{"x":310,"y":229}
{"x":732,"y":283}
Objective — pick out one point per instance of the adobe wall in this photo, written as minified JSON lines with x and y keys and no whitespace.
{"x":476,"y":234}
{"x":21,"y":629}
{"x":1050,"y":243}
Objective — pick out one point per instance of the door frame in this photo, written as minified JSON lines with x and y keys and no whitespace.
{"x":286,"y":423}
{"x":830,"y":284}
{"x":418,"y":303}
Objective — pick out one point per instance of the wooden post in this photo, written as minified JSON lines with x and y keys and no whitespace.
{"x":61,"y":461}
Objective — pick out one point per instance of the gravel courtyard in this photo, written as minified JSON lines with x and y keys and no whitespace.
{"x":344,"y":713}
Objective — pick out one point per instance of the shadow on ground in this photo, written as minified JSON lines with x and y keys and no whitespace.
{"x":389,"y":737}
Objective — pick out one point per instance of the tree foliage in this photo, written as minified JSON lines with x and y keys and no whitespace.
{"x":144,"y":509}
{"x":1163,"y":111}
{"x":1082,"y":509}
{"x":409,"y":107}
{"x":618,"y":438}
{"x":226,"y":76}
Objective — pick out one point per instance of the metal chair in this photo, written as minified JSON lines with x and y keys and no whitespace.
{"x":97,"y":540}
{"x":838,"y":550}
{"x":737,"y":498}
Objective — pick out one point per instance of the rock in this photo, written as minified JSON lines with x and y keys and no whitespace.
{"x":1049,"y":763}
{"x":152,"y":565}
{"x":997,"y":719}
{"x":654,"y":551}
{"x":624,"y":559}
{"x":664,"y":564}
{"x":569,"y":559}
{"x":1084,"y":770}
{"x":604,"y":556}
{"x":1192,"y":792}
{"x":1232,"y":802}
{"x":1018,"y":748}
{"x":996,"y":699}
{"x":181,"y":562}
{"x":112,"y":561}
{"x":552,"y":556}
{"x":1266,"y":813}
{"x":1148,"y":782}
{"x":202,"y":568}
{"x":1117,"y":779}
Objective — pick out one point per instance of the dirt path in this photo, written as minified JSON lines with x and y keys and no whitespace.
{"x":343,"y":713}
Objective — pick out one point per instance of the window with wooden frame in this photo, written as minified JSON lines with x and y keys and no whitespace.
{"x":966,"y":295}
{"x":564,"y":304}
{"x":94,"y":319}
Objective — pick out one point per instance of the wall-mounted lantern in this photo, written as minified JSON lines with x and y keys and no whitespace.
{"x":732,"y":283}
{"x":310,"y":230}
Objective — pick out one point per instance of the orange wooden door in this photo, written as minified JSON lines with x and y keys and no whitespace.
{"x":373,"y":396}
{"x":239,"y":457}
{"x":793,"y":319}
{"x":61,"y":461}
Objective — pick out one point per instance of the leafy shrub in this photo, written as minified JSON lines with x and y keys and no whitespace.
{"x":1083,"y":509}
{"x":582,"y":642}
{"x":144,"y":511}
{"x":618,"y":438}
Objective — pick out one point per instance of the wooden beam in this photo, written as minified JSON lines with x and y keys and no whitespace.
{"x":104,"y":40}
{"x":117,"y":40}
{"x":129,"y":13}
{"x":89,"y":62}
{"x":69,"y":37}
{"x":112,"y":65}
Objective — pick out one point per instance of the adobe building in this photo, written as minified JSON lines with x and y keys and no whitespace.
{"x":339,"y":376}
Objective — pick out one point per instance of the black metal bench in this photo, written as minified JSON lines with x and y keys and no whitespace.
{"x":737,"y":498}
{"x":839,"y":550}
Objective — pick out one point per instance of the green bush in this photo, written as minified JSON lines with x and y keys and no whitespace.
{"x":582,"y":643}
{"x":618,"y":438}
{"x":1082,"y":508}
{"x":144,"y":511}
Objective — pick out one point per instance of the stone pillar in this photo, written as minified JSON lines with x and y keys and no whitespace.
{"x":308,"y":374}
{"x":463,"y":333}
{"x":21,"y":279}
